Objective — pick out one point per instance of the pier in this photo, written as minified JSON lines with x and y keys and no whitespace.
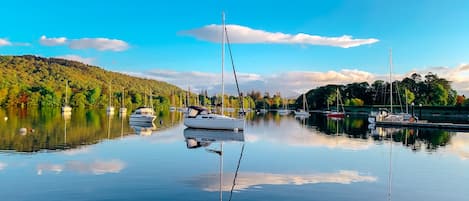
{"x":424,"y":124}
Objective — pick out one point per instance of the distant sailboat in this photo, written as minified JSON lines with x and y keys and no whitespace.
{"x":110,"y":108}
{"x":201,"y":117}
{"x":303,"y":112}
{"x":383,"y":115}
{"x":285,"y":110}
{"x":123,"y":109}
{"x":337,"y":113}
{"x":66,"y":109}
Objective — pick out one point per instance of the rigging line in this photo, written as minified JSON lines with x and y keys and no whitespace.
{"x":236,"y":173}
{"x":390,"y":169}
{"x":234,"y":71}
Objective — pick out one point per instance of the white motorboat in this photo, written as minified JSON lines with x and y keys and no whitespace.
{"x":143,"y":115}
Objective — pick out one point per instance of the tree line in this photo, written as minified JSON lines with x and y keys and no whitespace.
{"x":31,"y":81}
{"x":428,"y":90}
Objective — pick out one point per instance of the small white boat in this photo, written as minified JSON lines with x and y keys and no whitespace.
{"x":122,"y":110}
{"x":110,"y":110}
{"x":301,"y":113}
{"x":283,"y":112}
{"x":200,"y":117}
{"x":172,"y":109}
{"x":66,"y":108}
{"x":143,"y":115}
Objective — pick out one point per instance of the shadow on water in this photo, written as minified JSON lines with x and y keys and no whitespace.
{"x":32,"y":130}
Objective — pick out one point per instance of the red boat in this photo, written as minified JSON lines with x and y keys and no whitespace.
{"x":336,"y":115}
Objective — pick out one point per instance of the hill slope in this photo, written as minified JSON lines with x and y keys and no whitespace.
{"x":31,"y":80}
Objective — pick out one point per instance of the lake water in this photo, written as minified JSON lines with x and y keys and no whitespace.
{"x":91,"y":156}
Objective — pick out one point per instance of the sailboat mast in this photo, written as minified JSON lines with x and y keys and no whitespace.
{"x":304,"y":102}
{"x":222,"y":61}
{"x":110,"y":94}
{"x":390,"y":75}
{"x":221,"y":170}
{"x":337,"y":99}
{"x":66,"y":93}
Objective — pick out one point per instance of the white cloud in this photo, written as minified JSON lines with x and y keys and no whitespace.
{"x":243,"y":34}
{"x":4,"y":42}
{"x":100,"y":44}
{"x":293,"y":83}
{"x":459,"y":76}
{"x":2,"y":165}
{"x":52,"y":41}
{"x":97,"y":167}
{"x":245,"y":180}
{"x":77,"y":58}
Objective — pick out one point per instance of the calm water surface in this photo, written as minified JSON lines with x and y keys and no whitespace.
{"x":91,"y":156}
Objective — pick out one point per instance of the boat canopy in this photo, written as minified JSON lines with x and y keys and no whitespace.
{"x":196,"y":110}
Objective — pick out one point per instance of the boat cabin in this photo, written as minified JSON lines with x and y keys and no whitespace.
{"x":194,"y":111}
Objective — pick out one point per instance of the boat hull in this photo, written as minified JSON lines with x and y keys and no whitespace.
{"x":336,"y":115}
{"x":215,"y":124}
{"x":142,"y":119}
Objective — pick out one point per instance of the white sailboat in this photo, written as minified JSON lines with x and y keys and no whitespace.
{"x":303,"y":112}
{"x":123,"y":109}
{"x":66,"y":109}
{"x":201,"y":117}
{"x":383,"y":115}
{"x":110,"y":108}
{"x":285,"y":110}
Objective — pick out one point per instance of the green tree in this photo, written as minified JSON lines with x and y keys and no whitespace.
{"x":78,"y":100}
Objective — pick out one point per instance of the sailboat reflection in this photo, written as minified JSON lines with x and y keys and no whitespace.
{"x":143,"y":128}
{"x":196,"y":138}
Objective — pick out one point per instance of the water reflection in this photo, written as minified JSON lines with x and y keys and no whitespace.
{"x":2,"y":166}
{"x":349,"y":133}
{"x":52,"y":130}
{"x":97,"y":167}
{"x":198,"y":138}
{"x":245,"y":180}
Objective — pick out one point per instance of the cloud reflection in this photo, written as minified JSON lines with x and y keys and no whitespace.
{"x":96,"y":167}
{"x":2,"y":165}
{"x":293,"y":134}
{"x":77,"y":151}
{"x":245,"y":180}
{"x":459,"y":145}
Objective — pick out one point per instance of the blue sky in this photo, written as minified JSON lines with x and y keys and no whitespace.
{"x":170,"y":40}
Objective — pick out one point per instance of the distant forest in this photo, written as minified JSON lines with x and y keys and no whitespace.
{"x":31,"y":81}
{"x":428,"y":90}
